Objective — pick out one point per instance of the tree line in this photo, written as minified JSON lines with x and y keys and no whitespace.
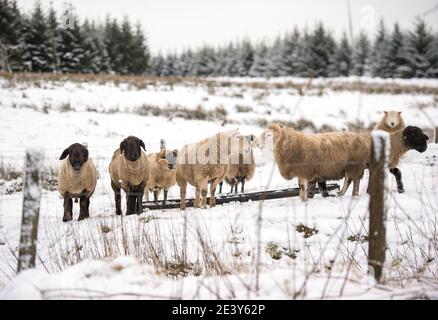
{"x":393,"y":53}
{"x":41,"y":42}
{"x":48,"y":42}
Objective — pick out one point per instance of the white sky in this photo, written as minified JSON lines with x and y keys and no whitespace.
{"x":175,"y":24}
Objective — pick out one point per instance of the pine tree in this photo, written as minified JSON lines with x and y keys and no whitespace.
{"x":11,"y":36}
{"x":380,"y":53}
{"x":156,"y":65}
{"x":54,"y":41}
{"x":39,"y":41}
{"x":139,"y":53}
{"x":420,"y":47}
{"x":398,"y":66}
{"x":292,"y":54}
{"x":113,"y":40}
{"x":259,"y":67}
{"x":320,"y":46}
{"x":361,"y":56}
{"x":204,"y":63}
{"x":72,"y":46}
{"x":275,"y":58}
{"x":245,"y":58}
{"x":342,"y":59}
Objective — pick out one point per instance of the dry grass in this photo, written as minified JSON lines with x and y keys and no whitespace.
{"x":142,"y":82}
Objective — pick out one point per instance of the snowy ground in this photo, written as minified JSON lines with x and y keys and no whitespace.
{"x":212,"y":253}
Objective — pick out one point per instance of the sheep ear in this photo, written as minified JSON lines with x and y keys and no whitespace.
{"x":64,"y":154}
{"x":142,"y":144}
{"x":275,"y":126}
{"x":162,"y":161}
{"x":122,"y":146}
{"x":399,"y":112}
{"x":161,"y":154}
{"x":175,"y":153}
{"x":386,"y":112}
{"x":86,"y":155}
{"x":427,"y":138}
{"x":236,"y":133}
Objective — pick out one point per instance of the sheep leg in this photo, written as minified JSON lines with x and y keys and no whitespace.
{"x":156,"y":196}
{"x":347,"y":182}
{"x":182,"y":193}
{"x":130,"y":203}
{"x":83,"y":211}
{"x":139,"y":199}
{"x":322,"y":185}
{"x":398,"y":178}
{"x":220,"y":186}
{"x":68,"y":207}
{"x":165,"y":196}
{"x":232,"y":187}
{"x":197,"y":197}
{"x":203,"y":188}
{"x":236,"y":183}
{"x":356,"y":184}
{"x":213,"y":191}
{"x":118,"y":198}
{"x":242,"y":190}
{"x":304,"y":185}
{"x":311,"y":191}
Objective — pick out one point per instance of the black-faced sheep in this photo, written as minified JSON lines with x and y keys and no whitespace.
{"x":129,"y":170}
{"x":77,"y":179}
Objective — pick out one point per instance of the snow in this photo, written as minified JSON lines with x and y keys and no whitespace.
{"x":88,"y":259}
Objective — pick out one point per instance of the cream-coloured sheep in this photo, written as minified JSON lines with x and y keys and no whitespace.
{"x":392,"y":121}
{"x":242,"y":168}
{"x":162,"y":173}
{"x":77,"y":178}
{"x":129,"y":170}
{"x":320,"y":157}
{"x":204,"y":162}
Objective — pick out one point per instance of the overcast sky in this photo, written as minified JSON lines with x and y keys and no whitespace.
{"x":176,"y":24}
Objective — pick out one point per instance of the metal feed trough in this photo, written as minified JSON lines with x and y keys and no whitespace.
{"x":227,"y":198}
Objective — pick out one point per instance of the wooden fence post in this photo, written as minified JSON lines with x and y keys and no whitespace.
{"x":31,"y":209}
{"x":377,"y":230}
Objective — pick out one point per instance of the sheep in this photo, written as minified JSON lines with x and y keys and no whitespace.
{"x":162,"y":173}
{"x":203,"y":162}
{"x":77,"y":178}
{"x":129,"y":170}
{"x":392,"y":121}
{"x":317,"y":157}
{"x":243,"y":169}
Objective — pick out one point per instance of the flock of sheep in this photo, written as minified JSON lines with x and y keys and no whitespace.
{"x":312,"y":158}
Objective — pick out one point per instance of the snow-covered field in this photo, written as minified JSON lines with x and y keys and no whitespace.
{"x":223,"y":252}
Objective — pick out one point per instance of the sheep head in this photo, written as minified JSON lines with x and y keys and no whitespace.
{"x":77,"y":155}
{"x":266,"y":139}
{"x":131,"y":148}
{"x":414,"y":138}
{"x":167,"y":158}
{"x":393,"y":118}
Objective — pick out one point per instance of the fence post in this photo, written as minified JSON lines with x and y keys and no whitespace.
{"x":377,"y":230}
{"x":31,"y":209}
{"x":436,"y":135}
